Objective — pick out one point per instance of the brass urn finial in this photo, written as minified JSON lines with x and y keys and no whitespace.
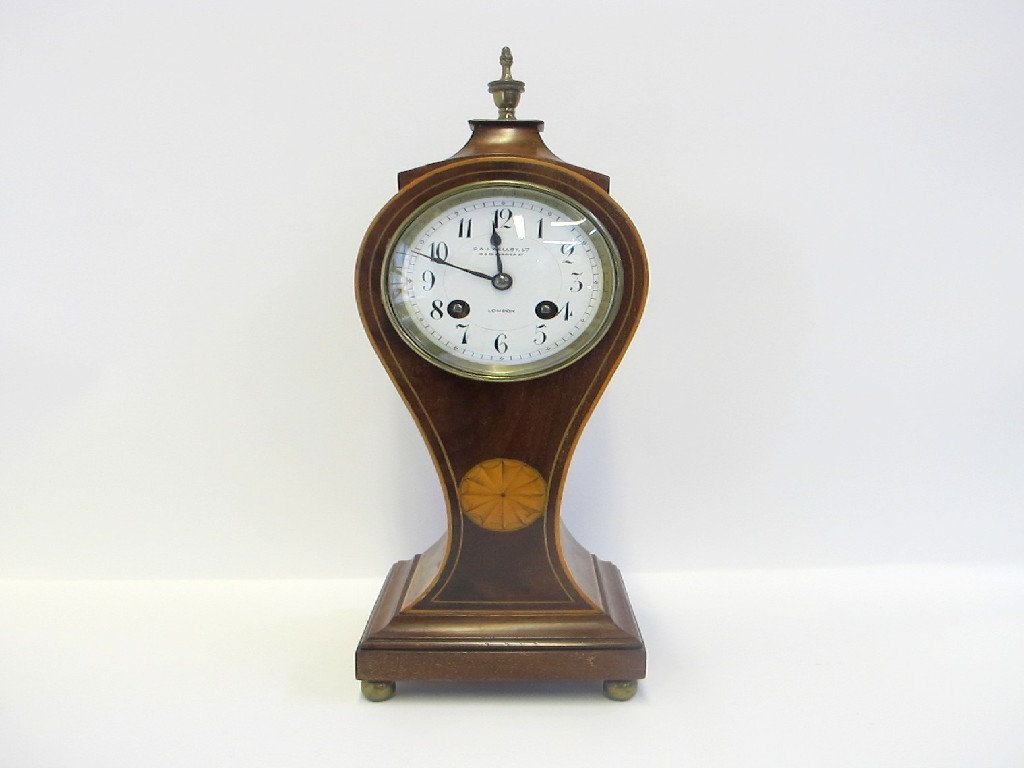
{"x":506,"y":91}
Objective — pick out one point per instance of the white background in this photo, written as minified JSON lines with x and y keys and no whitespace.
{"x":830,"y":369}
{"x":829,"y":374}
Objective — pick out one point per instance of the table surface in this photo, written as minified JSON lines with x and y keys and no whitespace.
{"x":887,"y":666}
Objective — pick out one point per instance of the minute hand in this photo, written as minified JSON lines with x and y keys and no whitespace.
{"x":436,"y":260}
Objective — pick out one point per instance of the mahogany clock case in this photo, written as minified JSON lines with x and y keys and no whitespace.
{"x":482,"y":604}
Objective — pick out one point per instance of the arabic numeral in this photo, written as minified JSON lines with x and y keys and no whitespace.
{"x":439,"y":251}
{"x":503,"y":218}
{"x":576,"y":285}
{"x":465,"y":227}
{"x":541,"y":335}
{"x":436,"y":311}
{"x":465,"y":331}
{"x":428,"y":280}
{"x":501,"y":343}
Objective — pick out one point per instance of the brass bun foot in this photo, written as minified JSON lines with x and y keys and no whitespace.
{"x":378,"y":690}
{"x":620,"y":690}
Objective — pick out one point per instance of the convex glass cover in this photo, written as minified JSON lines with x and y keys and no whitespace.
{"x":502,"y":281}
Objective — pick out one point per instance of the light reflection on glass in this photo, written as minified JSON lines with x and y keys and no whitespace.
{"x":520,"y":224}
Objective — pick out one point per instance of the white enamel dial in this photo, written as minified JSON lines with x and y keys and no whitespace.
{"x":502,"y":281}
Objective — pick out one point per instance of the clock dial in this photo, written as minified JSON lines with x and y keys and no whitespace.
{"x":501,"y":281}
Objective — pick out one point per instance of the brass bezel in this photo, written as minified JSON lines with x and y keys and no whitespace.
{"x":591,"y":335}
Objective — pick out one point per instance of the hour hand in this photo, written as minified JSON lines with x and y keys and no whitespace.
{"x":496,"y":245}
{"x":437,"y":260}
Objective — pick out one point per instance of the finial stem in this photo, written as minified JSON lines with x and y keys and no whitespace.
{"x":506,"y":91}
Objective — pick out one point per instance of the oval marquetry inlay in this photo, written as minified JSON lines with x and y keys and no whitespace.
{"x":503,"y":494}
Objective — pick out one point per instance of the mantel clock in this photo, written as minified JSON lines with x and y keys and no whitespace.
{"x":500,"y":289}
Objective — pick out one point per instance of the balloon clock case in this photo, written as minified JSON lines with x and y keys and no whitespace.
{"x":500,"y":289}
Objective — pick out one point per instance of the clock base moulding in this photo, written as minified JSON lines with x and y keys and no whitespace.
{"x":405,"y":644}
